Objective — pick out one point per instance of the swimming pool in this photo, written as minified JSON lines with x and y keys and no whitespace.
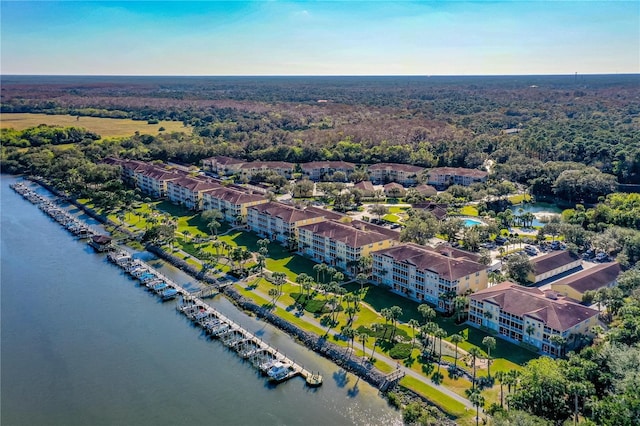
{"x":471,"y":222}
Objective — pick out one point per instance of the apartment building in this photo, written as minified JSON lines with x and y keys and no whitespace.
{"x":280,"y":222}
{"x":342,"y":245}
{"x":524,"y":314}
{"x":442,"y":177}
{"x":591,"y":279}
{"x":552,"y":264}
{"x":404,"y":174}
{"x":232,"y":202}
{"x":222,"y":165}
{"x":324,"y":170}
{"x":425,"y":274}
{"x":189,"y":191}
{"x":250,"y":169}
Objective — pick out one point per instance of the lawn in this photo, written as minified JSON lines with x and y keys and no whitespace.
{"x":437,"y":398}
{"x":520,"y":198}
{"x":469,"y":211}
{"x":105,"y":127}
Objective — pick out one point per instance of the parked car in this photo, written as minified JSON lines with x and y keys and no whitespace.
{"x":500,"y":240}
{"x":602,"y":257}
{"x":589,"y":254}
{"x":530,"y":250}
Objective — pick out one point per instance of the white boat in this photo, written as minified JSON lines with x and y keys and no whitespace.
{"x":279,"y":371}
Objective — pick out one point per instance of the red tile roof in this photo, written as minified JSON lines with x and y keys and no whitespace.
{"x":428,"y":259}
{"x":346,"y":233}
{"x":287,"y":213}
{"x":599,"y":276}
{"x":558,"y":313}
{"x":397,"y":167}
{"x":551,"y":261}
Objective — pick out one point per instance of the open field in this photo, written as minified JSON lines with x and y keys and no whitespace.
{"x":105,"y":127}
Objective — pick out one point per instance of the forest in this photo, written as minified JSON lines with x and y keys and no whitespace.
{"x":522,"y":123}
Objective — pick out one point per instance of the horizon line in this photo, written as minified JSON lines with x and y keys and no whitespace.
{"x":323,"y":75}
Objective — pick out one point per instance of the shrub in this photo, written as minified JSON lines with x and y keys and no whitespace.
{"x":400,"y":351}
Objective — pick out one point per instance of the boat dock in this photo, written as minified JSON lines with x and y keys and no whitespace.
{"x":64,"y":218}
{"x":248,"y":346}
{"x":267,"y":359}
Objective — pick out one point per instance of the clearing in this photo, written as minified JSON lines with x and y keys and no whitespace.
{"x":105,"y":127}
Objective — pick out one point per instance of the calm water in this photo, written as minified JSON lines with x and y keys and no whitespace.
{"x":83,"y":345}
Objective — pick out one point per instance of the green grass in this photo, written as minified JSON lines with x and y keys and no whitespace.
{"x":437,"y":398}
{"x":520,"y":198}
{"x":391,"y":218}
{"x":469,"y":211}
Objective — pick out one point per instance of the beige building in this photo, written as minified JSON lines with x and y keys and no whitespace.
{"x":425,"y":274}
{"x":342,"y":245}
{"x":280,"y":222}
{"x":524,"y":314}
{"x":232,"y":202}
{"x":404,"y":174}
{"x":552,"y":264}
{"x":592,"y":279}
{"x":442,"y":177}
{"x":188,"y":191}
{"x":222,"y":166}
{"x":282,"y":168}
{"x":324,"y":170}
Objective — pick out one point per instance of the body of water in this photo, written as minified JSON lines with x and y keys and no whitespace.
{"x":540,"y":210}
{"x":82,"y":344}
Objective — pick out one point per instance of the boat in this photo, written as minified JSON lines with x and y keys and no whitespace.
{"x":279,"y":371}
{"x":169,"y":293}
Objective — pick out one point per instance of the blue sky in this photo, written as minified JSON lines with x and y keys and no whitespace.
{"x":320,"y":37}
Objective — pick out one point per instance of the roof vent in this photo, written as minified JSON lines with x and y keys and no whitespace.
{"x":551,"y":295}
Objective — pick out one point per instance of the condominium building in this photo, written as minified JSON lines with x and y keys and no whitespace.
{"x":404,"y":174}
{"x":232,"y":202}
{"x":324,"y":170}
{"x":442,"y":177}
{"x":524,"y":314}
{"x":426,"y":274}
{"x":282,"y":168}
{"x":222,"y":166}
{"x":189,"y":191}
{"x":342,"y":245}
{"x":553,"y":264}
{"x":591,"y":279}
{"x":280,"y":222}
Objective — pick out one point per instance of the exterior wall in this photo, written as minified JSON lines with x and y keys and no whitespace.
{"x":336,"y":253}
{"x":231,"y":212}
{"x":275,"y":228}
{"x":318,"y":173}
{"x":568,"y":291}
{"x":391,"y":175}
{"x":554,"y":272}
{"x":422,"y":286}
{"x":446,"y":179}
{"x":528,"y":330}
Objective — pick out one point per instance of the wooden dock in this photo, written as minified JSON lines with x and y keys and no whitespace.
{"x":236,"y":338}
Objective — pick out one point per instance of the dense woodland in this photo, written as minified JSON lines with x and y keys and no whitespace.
{"x":578,"y":139}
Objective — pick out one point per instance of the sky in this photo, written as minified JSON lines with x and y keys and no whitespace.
{"x":273,"y":37}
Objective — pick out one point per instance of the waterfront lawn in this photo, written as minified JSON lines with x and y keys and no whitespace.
{"x":379,"y":298}
{"x":506,"y":355}
{"x":437,"y":398}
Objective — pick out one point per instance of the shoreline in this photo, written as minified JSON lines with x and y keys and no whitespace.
{"x":319,"y":344}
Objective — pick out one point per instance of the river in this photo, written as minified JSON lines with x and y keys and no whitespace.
{"x":82,"y":344}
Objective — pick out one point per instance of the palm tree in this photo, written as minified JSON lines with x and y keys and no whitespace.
{"x":350,"y":334}
{"x":440,"y":334}
{"x":558,"y":341}
{"x":456,"y":339}
{"x":362,"y":279}
{"x":364,"y":338}
{"x":500,"y":376}
{"x":476,"y":398}
{"x":490,"y":343}
{"x":319,"y":267}
{"x":529,"y":330}
{"x":396,"y":313}
{"x":460,"y":306}
{"x":261,"y":262}
{"x":427,"y":312}
{"x":413,"y":323}
{"x":475,"y":353}
{"x":375,"y":327}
